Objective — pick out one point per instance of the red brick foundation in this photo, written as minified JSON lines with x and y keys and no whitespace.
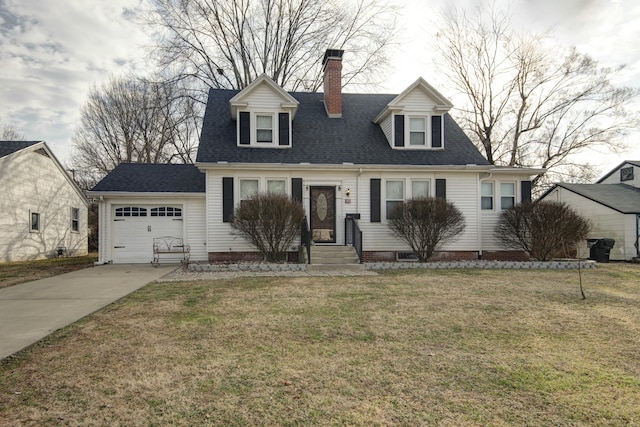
{"x":505,"y":256}
{"x":215,"y":257}
{"x":392,"y":256}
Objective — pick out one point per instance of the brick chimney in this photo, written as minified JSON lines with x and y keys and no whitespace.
{"x":332,"y":63}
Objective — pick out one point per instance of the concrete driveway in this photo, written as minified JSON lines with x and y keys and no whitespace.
{"x":31,"y":311}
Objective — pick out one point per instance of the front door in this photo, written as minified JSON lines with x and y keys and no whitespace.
{"x":323,"y":214}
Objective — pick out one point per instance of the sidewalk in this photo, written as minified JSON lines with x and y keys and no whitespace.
{"x":31,"y":311}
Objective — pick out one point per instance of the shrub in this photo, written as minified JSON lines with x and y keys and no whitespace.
{"x":543,"y":229}
{"x":426,"y":223}
{"x":270,"y":222}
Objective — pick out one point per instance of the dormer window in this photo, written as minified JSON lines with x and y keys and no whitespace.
{"x":418,"y":131}
{"x":264,"y":129}
{"x":259,"y":129}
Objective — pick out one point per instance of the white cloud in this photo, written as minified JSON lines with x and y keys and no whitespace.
{"x":53,"y":51}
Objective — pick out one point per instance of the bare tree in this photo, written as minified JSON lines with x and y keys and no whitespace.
{"x":530,"y":102}
{"x":9,"y":133}
{"x":135,"y":120}
{"x":228,"y":43}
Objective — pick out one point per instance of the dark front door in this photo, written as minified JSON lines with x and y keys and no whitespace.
{"x":323,"y":214}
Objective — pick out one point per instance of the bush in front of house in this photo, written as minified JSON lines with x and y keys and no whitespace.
{"x":426,"y":223}
{"x":270,"y":222}
{"x":545,"y":229}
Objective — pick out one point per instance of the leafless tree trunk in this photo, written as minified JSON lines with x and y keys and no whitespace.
{"x":529,"y":102}
{"x":135,"y":120}
{"x":228,"y":43}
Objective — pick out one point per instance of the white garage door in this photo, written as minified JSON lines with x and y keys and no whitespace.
{"x":135,"y":227}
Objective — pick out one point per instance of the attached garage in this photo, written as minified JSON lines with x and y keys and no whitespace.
{"x":135,"y":227}
{"x":140,"y":202}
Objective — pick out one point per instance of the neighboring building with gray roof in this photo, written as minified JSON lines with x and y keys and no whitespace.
{"x":612,"y":205}
{"x":339,"y":154}
{"x":41,"y":207}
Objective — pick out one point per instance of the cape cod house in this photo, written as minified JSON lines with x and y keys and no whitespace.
{"x":341,"y":155}
{"x":612,"y":205}
{"x":43,"y":213}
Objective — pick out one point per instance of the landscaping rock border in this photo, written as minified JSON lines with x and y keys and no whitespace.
{"x":373,"y":266}
{"x":515,"y":265}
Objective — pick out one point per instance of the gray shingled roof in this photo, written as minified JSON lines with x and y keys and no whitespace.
{"x":317,"y":139}
{"x":620,"y":197}
{"x":155,"y":178}
{"x":9,"y":147}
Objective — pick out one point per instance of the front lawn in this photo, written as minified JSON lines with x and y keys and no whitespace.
{"x":459,"y":347}
{"x":13,"y":273}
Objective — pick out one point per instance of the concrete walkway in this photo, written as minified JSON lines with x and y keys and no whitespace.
{"x":31,"y":311}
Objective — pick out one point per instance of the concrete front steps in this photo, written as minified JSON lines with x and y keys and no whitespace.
{"x":334,"y":258}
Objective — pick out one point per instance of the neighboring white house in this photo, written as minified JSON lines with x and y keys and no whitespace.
{"x":41,"y":208}
{"x":612,"y":205}
{"x":339,"y":154}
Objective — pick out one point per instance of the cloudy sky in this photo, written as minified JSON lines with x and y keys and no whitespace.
{"x":52,"y":52}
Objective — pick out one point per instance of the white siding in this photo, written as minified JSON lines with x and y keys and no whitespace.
{"x":461,"y":190}
{"x":193,"y":216}
{"x":489,"y":218}
{"x":263,"y":97}
{"x":605,"y":222}
{"x":220,"y":235}
{"x":417,"y":100}
{"x":614,"y":178}
{"x":196,"y":230}
{"x":387,"y":128}
{"x":31,"y":182}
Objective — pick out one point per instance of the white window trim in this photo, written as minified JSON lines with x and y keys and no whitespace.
{"x":253,"y":129}
{"x":384,"y":194}
{"x":286,"y":182}
{"x":407,"y":131}
{"x":515,"y":193}
{"x":262,"y":184}
{"x":493,"y":196}
{"x":254,"y":132}
{"x":427,"y":180}
{"x":407,"y":190}
{"x":246,"y":178}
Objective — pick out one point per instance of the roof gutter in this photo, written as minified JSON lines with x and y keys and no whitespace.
{"x":366,"y":167}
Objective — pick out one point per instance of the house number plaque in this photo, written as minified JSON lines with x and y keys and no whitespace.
{"x":321,"y":207}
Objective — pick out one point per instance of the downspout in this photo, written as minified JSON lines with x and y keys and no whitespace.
{"x":358,"y":190}
{"x":479,"y":210}
{"x":637,"y":244}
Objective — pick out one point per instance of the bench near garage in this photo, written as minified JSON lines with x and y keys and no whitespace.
{"x":170,"y":247}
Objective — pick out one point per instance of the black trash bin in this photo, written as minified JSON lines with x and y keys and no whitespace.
{"x":600,"y":249}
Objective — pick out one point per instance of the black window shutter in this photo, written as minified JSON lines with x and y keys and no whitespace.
{"x":375,"y":199}
{"x":398,"y":136}
{"x":245,"y":128}
{"x":296,"y":189}
{"x":436,"y":131}
{"x":227,"y":199}
{"x":441,"y":188}
{"x":283,"y":129}
{"x":525,"y":189}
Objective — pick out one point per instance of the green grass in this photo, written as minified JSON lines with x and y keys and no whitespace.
{"x":482,"y":347}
